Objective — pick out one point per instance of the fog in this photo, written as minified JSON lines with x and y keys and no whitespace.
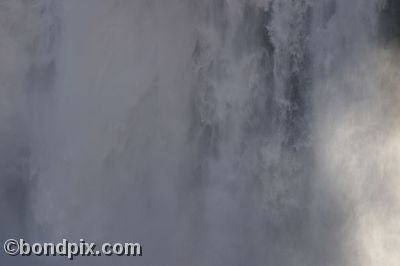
{"x":213,"y":132}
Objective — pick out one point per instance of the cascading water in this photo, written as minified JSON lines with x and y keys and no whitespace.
{"x":214,"y":132}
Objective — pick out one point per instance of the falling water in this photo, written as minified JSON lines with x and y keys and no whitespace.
{"x":213,"y":132}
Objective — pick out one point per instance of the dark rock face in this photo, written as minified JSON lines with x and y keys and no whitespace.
{"x":389,"y":29}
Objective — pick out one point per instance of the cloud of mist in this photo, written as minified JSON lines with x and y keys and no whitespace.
{"x":212,"y":132}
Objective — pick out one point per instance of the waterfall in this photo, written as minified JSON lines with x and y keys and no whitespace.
{"x":213,"y":132}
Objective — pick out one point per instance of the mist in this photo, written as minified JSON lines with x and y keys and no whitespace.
{"x":214,"y":132}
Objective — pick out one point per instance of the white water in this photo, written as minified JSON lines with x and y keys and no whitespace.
{"x":214,"y":132}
